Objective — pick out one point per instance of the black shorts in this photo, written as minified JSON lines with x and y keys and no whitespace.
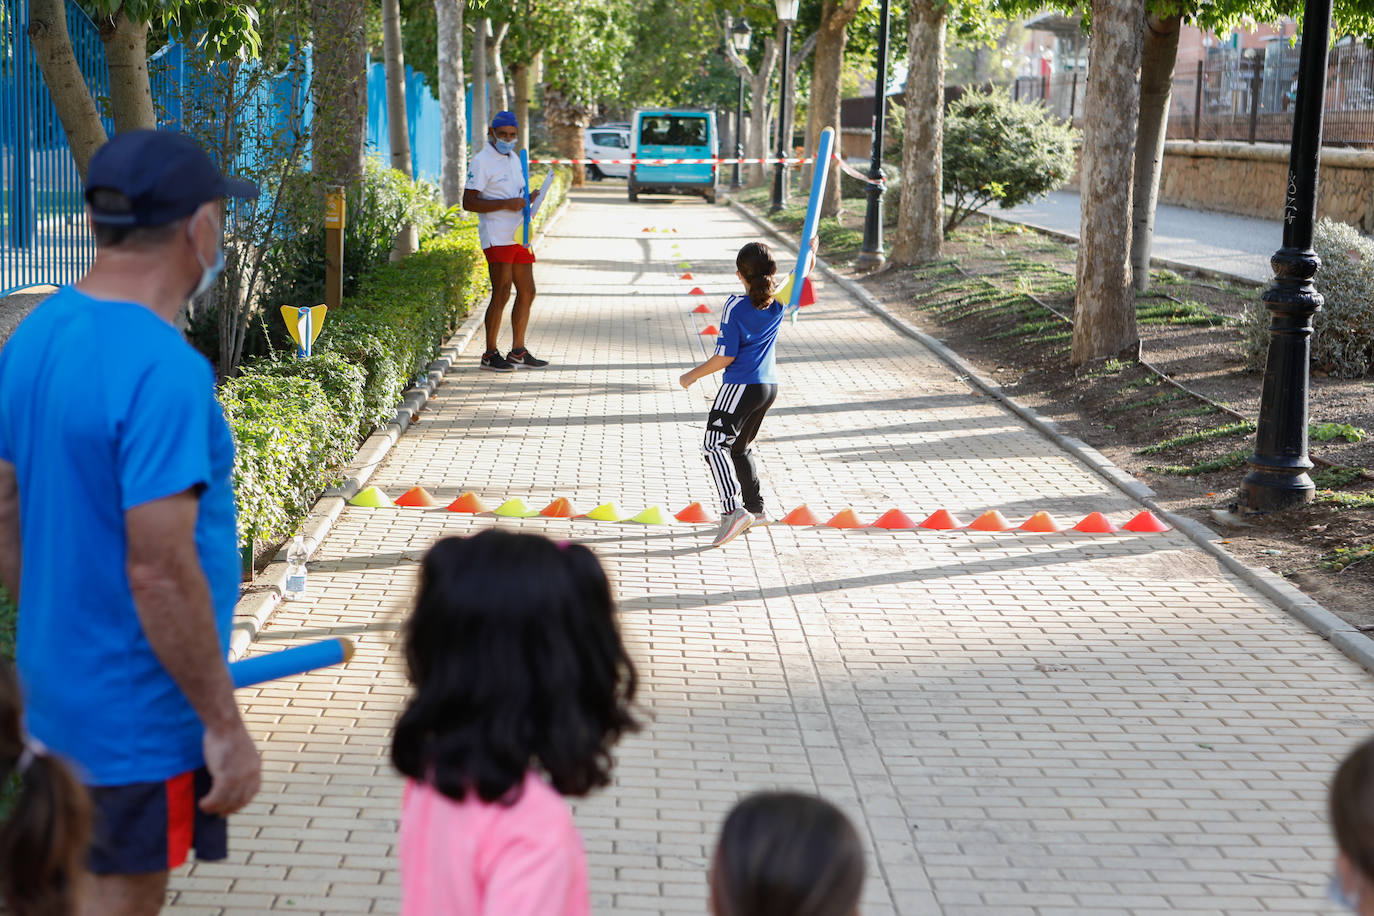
{"x":151,"y":826}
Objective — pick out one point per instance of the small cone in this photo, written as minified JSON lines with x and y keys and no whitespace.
{"x":801,"y":516}
{"x":646,"y":229}
{"x":697,"y":291}
{"x":468,"y":502}
{"x":417,"y":497}
{"x":683,"y":265}
{"x":894,"y":519}
{"x":991,"y":520}
{"x":1095,"y":523}
{"x":845,"y":519}
{"x":606,"y":512}
{"x":694,"y":513}
{"x":702,"y":309}
{"x":371,"y":498}
{"x":559,"y":508}
{"x":685,"y":277}
{"x":1041,"y":522}
{"x":1146,"y":523}
{"x":709,"y":331}
{"x":651,"y":516}
{"x":515,"y":508}
{"x":941,"y":520}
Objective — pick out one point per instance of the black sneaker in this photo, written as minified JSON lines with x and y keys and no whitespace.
{"x":525,"y":359}
{"x":493,"y":360}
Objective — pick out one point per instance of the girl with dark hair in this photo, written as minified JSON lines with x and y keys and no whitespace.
{"x":517,"y":702}
{"x":43,"y":844}
{"x":786,"y":854}
{"x":748,"y":331}
{"x":1351,"y":809}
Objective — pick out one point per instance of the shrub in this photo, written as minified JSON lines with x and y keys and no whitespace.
{"x":1343,"y":331}
{"x":996,"y":149}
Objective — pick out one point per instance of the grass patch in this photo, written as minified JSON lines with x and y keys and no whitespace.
{"x":1145,"y":381}
{"x":1361,"y":500}
{"x":1342,"y":557}
{"x":1329,"y":432}
{"x":1164,"y":397}
{"x":1239,"y":428}
{"x":1224,"y":463}
{"x":1335,"y":478}
{"x":1168,"y":311}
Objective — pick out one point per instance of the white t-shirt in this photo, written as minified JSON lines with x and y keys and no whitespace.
{"x":496,"y":177}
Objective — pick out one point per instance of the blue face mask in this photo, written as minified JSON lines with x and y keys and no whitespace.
{"x":504,"y":147}
{"x":209,"y":273}
{"x":1335,"y":889}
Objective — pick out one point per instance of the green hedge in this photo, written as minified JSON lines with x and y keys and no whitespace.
{"x":297,"y":423}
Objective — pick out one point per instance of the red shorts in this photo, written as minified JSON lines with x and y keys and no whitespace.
{"x":508,"y":254}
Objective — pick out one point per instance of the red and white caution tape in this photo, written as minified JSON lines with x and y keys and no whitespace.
{"x":844,"y":166}
{"x":860,"y":176}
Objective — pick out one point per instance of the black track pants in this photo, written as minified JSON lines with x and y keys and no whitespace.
{"x":730,"y":430}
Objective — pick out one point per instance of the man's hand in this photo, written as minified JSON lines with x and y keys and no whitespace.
{"x":514,"y":203}
{"x":534,"y":196}
{"x":235,"y":770}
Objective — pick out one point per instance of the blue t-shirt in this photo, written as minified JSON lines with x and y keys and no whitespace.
{"x":104,"y":406}
{"x":748,"y":334}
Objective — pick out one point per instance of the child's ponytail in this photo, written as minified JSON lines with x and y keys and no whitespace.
{"x":756,"y":265}
{"x":43,"y":843}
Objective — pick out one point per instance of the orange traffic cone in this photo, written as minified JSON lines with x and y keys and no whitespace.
{"x":559,"y":508}
{"x":709,"y":331}
{"x":801,"y":516}
{"x":646,"y":229}
{"x":894,"y":519}
{"x":702,"y":309}
{"x":1146,"y":523}
{"x":991,"y":520}
{"x":1041,"y":522}
{"x":417,"y":497}
{"x":685,"y":277}
{"x":1095,"y":523}
{"x":468,"y":502}
{"x":697,"y":291}
{"x":695,"y":513}
{"x":845,"y":518}
{"x":941,"y":520}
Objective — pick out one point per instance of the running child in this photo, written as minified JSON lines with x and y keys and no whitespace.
{"x":786,"y":854}
{"x":748,"y":331}
{"x":517,"y":703}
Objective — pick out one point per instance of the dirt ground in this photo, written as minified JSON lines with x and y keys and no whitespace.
{"x":981,"y":300}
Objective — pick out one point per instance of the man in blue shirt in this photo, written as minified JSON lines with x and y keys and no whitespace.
{"x":117,"y":531}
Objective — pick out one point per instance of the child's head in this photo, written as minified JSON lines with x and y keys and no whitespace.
{"x":517,"y":662}
{"x":1351,"y":809}
{"x":43,"y":844}
{"x":756,"y":268}
{"x":786,"y":854}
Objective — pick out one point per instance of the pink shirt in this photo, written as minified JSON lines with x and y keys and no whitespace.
{"x":471,"y":858}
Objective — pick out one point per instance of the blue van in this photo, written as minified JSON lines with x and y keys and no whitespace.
{"x":674,"y":134}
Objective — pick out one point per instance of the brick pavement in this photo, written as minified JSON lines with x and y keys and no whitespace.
{"x":1018,"y":723}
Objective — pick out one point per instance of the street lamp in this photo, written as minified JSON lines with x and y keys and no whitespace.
{"x":871,"y":256}
{"x":1278,"y":468}
{"x":739,"y":38}
{"x":787,"y":14}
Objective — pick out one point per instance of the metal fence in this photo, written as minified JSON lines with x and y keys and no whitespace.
{"x":1245,"y":95}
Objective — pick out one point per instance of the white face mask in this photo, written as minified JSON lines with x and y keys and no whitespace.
{"x":209,"y":273}
{"x":1335,"y":889}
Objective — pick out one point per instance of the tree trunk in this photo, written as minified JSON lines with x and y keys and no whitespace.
{"x":566,"y":123}
{"x":52,"y":46}
{"x":1156,"y":81}
{"x":1104,"y":311}
{"x":500,"y":95}
{"x":481,"y":116}
{"x":756,"y":144}
{"x":824,"y":108}
{"x":397,"y":119}
{"x":920,"y":223}
{"x":126,"y":55}
{"x":453,"y":166}
{"x":522,"y":75}
{"x":339,"y":87}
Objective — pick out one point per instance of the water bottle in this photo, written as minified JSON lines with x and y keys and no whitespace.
{"x":295,"y":570}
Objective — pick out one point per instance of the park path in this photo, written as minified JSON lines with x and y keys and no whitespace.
{"x":1019,"y":724}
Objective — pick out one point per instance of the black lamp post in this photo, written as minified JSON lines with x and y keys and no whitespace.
{"x":739,"y":38}
{"x":871,"y":255}
{"x":787,"y":14}
{"x":1278,"y":468}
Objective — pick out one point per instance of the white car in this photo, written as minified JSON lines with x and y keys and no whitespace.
{"x":608,"y":141}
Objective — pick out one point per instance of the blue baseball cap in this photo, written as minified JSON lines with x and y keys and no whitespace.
{"x":163,"y":174}
{"x":504,"y":119}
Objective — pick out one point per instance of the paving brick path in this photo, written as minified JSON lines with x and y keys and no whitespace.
{"x":1018,"y":723}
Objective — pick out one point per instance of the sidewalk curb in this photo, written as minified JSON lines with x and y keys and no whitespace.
{"x":261,"y":597}
{"x":1356,"y":645}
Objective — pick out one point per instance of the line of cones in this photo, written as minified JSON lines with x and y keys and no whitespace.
{"x":418,"y":497}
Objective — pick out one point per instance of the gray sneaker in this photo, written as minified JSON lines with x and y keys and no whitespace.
{"x":732,"y":526}
{"x":762,"y":518}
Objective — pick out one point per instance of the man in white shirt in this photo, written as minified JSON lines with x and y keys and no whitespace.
{"x":495,"y":190}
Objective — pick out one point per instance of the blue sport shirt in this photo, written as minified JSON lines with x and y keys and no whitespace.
{"x":748,"y":334}
{"x":137,"y":422}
